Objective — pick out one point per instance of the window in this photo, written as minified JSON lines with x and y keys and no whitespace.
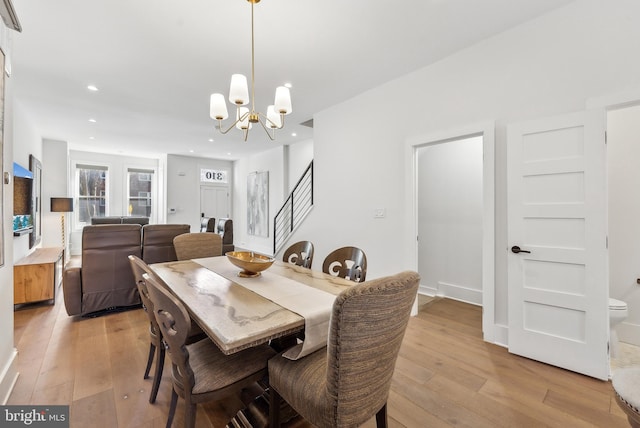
{"x":140,"y":190}
{"x":91,"y":188}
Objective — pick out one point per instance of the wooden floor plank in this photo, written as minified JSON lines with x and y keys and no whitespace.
{"x":446,"y":375}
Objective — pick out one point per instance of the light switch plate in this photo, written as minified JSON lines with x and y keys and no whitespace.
{"x":379,"y":213}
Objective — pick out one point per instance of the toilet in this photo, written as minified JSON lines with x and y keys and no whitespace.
{"x":617,"y":313}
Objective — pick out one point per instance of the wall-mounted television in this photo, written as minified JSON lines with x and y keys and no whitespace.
{"x":22,"y":200}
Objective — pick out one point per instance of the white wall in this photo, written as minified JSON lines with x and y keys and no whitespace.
{"x":271,"y":160}
{"x":450,"y":209}
{"x":29,"y":143}
{"x":285,"y":164}
{"x":55,"y":184}
{"x":623,"y":153}
{"x":300,"y":155}
{"x":548,"y":66}
{"x":183,"y":189}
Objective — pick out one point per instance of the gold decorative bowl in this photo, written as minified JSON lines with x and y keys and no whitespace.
{"x":251,"y":263}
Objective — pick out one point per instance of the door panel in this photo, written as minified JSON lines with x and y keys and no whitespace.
{"x":214,"y":201}
{"x":558,"y":293}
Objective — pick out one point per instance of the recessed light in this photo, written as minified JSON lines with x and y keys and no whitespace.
{"x":288,"y":85}
{"x":293,"y":134}
{"x":228,"y":154}
{"x":191,"y":151}
{"x":92,"y":120}
{"x":211,"y":140}
{"x":93,"y":88}
{"x":92,"y":138}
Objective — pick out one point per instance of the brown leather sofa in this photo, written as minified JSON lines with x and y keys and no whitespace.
{"x":157,"y":241}
{"x":104,"y":281}
{"x":225,"y":230}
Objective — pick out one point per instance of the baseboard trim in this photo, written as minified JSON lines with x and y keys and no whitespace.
{"x":9,"y":377}
{"x":629,"y":333}
{"x":459,"y":292}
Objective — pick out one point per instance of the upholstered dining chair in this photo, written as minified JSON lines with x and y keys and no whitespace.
{"x":196,"y":245}
{"x":625,"y":383}
{"x":201,"y":372}
{"x":348,"y":382}
{"x":346,"y":262}
{"x":300,"y":254}
{"x":156,"y":346}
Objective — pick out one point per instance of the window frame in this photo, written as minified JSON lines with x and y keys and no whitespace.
{"x":152,"y":199}
{"x":104,"y":194}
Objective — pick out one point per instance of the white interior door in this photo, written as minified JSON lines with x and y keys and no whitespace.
{"x":214,"y":201}
{"x":558,"y":291}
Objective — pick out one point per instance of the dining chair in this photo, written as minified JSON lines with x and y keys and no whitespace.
{"x":346,"y":262}
{"x":348,"y":382}
{"x":200,"y":371}
{"x":196,"y":245}
{"x":156,"y":346}
{"x":207,"y":224}
{"x":625,"y":382}
{"x":224,"y":228}
{"x":300,"y":254}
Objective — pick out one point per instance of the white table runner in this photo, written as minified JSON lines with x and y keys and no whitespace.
{"x":310,"y":303}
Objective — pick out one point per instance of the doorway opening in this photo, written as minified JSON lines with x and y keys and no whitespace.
{"x":623,"y":177}
{"x":449,"y":184}
{"x":453,"y":216}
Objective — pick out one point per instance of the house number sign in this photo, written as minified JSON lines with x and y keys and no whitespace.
{"x":213,"y":176}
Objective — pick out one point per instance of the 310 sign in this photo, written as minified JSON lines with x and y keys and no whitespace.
{"x":213,"y":176}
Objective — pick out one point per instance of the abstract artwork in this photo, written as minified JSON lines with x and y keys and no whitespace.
{"x":258,"y":204}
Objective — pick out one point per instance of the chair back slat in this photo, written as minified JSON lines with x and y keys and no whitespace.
{"x":174,"y":324}
{"x":300,"y":254}
{"x":346,"y":262}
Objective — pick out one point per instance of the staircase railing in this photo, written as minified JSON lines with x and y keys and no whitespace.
{"x":294,"y":209}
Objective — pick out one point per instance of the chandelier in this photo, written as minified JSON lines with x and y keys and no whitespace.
{"x":239,"y":96}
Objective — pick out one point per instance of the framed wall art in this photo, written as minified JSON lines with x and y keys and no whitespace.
{"x":258,"y":204}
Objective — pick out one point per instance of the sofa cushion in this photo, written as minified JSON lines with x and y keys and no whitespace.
{"x":157,"y":241}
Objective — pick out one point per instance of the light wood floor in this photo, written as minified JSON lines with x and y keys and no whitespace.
{"x":445,"y":376}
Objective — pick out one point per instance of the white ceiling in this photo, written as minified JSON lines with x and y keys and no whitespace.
{"x":156,"y":62}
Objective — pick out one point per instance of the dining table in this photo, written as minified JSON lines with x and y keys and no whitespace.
{"x":238,"y":313}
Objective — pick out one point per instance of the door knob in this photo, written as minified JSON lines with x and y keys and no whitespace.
{"x":516,"y":249}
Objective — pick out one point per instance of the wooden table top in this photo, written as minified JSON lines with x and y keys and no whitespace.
{"x":234,"y":317}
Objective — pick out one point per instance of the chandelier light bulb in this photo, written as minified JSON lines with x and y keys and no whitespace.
{"x":273,"y":118}
{"x":218,"y":107}
{"x":243,"y":124}
{"x":238,"y":90}
{"x":282,"y":102}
